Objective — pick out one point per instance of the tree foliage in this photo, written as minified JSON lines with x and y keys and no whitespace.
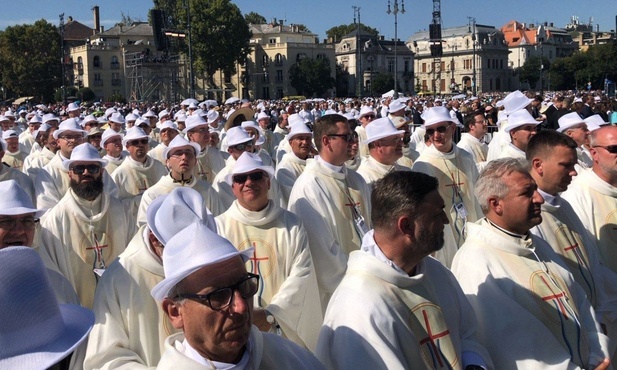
{"x":311,"y":77}
{"x":382,"y":83}
{"x":126,"y":20}
{"x":255,"y":18}
{"x":594,"y":65}
{"x":337,"y":33}
{"x":533,"y":69}
{"x":219,"y":33}
{"x":86,"y":94}
{"x":342,"y":81}
{"x":68,"y":91}
{"x":30,"y":60}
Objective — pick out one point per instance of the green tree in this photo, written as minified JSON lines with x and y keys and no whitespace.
{"x":86,"y":94}
{"x":337,"y":33}
{"x":30,"y":60}
{"x":126,"y":20}
{"x":219,"y":33}
{"x":311,"y":77}
{"x":342,"y":81}
{"x":70,"y":91}
{"x":534,"y":68}
{"x":255,"y":18}
{"x":382,"y":83}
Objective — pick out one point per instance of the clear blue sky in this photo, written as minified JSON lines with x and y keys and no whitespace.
{"x":320,"y":15}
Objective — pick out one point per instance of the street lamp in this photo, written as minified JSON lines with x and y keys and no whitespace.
{"x":395,"y":11}
{"x":472,"y":29}
{"x":188,"y":27}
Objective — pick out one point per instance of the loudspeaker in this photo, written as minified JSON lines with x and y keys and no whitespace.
{"x":434,"y":31}
{"x":158,"y":26}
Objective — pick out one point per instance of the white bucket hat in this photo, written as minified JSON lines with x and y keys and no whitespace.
{"x":296,"y":130}
{"x":71,"y":124}
{"x":594,"y":122}
{"x":108,"y":134}
{"x":515,"y":101}
{"x":168,"y":124}
{"x":35,"y":331}
{"x":15,"y":201}
{"x":192,"y":248}
{"x":131,"y":117}
{"x":134,"y":133}
{"x":237,"y":135}
{"x":248,"y":162}
{"x":519,"y":118}
{"x":36,"y":119}
{"x":9,"y":134}
{"x":163,"y":113}
{"x":50,"y":117}
{"x":263,"y":115}
{"x":569,"y":120}
{"x":117,"y":118}
{"x":183,"y":205}
{"x":178,"y":142}
{"x":379,"y":129}
{"x":88,"y":118}
{"x":366,"y":109}
{"x":84,"y":153}
{"x":150,"y":113}
{"x":396,"y":106}
{"x":435,"y":115}
{"x":212,"y":116}
{"x":193,"y":121}
{"x":249,"y":124}
{"x":72,"y":107}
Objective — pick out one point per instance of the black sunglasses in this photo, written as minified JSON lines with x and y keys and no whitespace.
{"x":254,"y":176}
{"x":138,"y":141}
{"x":609,"y":148}
{"x":221,"y":298}
{"x":79,"y":169}
{"x":440,"y":129}
{"x":347,"y":137}
{"x":244,"y":145}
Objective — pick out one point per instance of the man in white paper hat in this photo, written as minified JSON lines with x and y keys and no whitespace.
{"x":281,"y":254}
{"x":575,"y":127}
{"x":168,"y":130}
{"x":208,"y":292}
{"x":130,"y":327}
{"x":263,"y":119}
{"x":94,"y":137}
{"x":198,"y":131}
{"x":293,"y":163}
{"x":239,"y":141}
{"x":385,"y":145}
{"x":367,"y":115}
{"x":472,"y":140}
{"x":117,"y":122}
{"x":456,"y":172}
{"x":513,"y":102}
{"x":137,"y":172}
{"x":89,"y":122}
{"x":26,"y":138}
{"x":15,"y":153}
{"x":521,"y":126}
{"x":180,"y":160}
{"x":111,"y":141}
{"x":73,"y":109}
{"x":332,"y":202}
{"x":37,"y":331}
{"x":258,"y":140}
{"x":38,"y":159}
{"x":430,"y":324}
{"x":9,"y":173}
{"x":81,"y":246}
{"x":52,"y":183}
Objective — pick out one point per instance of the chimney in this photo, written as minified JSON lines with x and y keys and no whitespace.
{"x":97,"y":19}
{"x":551,"y":24}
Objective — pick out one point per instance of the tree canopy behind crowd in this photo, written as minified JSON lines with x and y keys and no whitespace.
{"x":30,"y":60}
{"x":311,"y":77}
{"x":219,"y":33}
{"x":337,"y":33}
{"x":599,"y":62}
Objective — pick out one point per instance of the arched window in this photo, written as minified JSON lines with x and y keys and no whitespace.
{"x":265,"y":60}
{"x":278,"y":60}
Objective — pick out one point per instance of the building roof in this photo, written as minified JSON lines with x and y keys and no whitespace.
{"x":452,"y":32}
{"x":516,"y":34}
{"x":74,"y":30}
{"x":135,"y":29}
{"x":272,"y":28}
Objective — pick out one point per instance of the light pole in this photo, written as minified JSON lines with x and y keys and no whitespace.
{"x":188,"y":28}
{"x":472,"y":29}
{"x":395,"y":10}
{"x":359,"y":72}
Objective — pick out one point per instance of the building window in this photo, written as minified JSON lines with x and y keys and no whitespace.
{"x":114,"y":62}
{"x":300,"y":56}
{"x":278,"y":60}
{"x":265,"y":61}
{"x":115,"y":79}
{"x":80,"y":65}
{"x":96,"y":62}
{"x":424,"y":86}
{"x":423,"y":67}
{"x":272,"y":40}
{"x":391,"y":65}
{"x":97,"y":80}
{"x":227,"y":77}
{"x":265,"y":92}
{"x":279,"y":93}
{"x":406,"y":66}
{"x":498,"y":84}
{"x":279,"y":75}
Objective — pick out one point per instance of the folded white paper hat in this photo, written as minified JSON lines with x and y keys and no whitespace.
{"x":381,"y":128}
{"x":514,"y":101}
{"x":15,"y":201}
{"x":108,"y":134}
{"x":70,"y":124}
{"x":594,"y":122}
{"x":237,"y":135}
{"x":84,"y":153}
{"x":193,"y":121}
{"x":191,"y":249}
{"x":178,"y":142}
{"x":569,"y":120}
{"x":134,"y":133}
{"x":300,"y":129}
{"x":248,"y":162}
{"x":435,"y":115}
{"x":519,"y":118}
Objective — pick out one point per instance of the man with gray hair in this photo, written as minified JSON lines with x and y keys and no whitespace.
{"x":517,"y":285}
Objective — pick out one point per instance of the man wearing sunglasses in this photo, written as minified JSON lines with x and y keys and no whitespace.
{"x":208,"y":294}
{"x":332,"y":202}
{"x":239,"y":141}
{"x":137,"y":172}
{"x":288,"y":301}
{"x":456,"y":172}
{"x":83,"y":245}
{"x":181,"y":158}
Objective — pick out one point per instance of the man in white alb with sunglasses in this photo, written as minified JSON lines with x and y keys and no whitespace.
{"x":333,"y":203}
{"x":456,"y":171}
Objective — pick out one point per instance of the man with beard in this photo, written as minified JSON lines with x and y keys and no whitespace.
{"x":208,"y":294}
{"x":293,"y":163}
{"x":518,"y":286}
{"x":80,"y":246}
{"x":397,"y":307}
{"x":385,"y":145}
{"x":181,"y":159}
{"x":52,"y":183}
{"x":137,"y":172}
{"x":332,"y":202}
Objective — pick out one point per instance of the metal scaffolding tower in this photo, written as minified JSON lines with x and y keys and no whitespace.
{"x":152,"y":77}
{"x":436,"y":44}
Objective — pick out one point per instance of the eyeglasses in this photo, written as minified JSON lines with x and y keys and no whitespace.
{"x":369,"y":116}
{"x":221,"y":298}
{"x":349,"y":137}
{"x":79,"y":169}
{"x":392,"y":141}
{"x":71,"y":137}
{"x":11,"y":223}
{"x":440,"y":129}
{"x":254,"y":176}
{"x":609,"y":148}
{"x":180,"y":153}
{"x":203,"y":130}
{"x":243,"y":146}
{"x":95,"y":137}
{"x":483,"y":122}
{"x":137,"y":142}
